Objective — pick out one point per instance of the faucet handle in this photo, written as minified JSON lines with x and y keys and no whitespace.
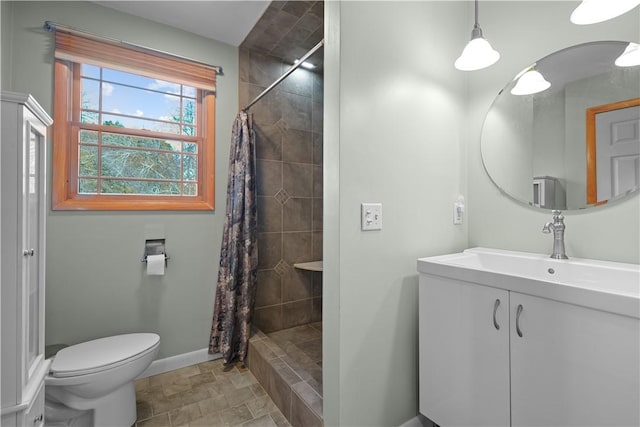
{"x":557,"y":216}
{"x":547,"y":228}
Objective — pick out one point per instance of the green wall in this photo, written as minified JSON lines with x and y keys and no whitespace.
{"x":402,"y":127}
{"x":523,"y":32}
{"x":96,"y":285}
{"x":394,"y":111}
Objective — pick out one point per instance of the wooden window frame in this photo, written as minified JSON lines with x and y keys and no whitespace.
{"x":592,"y":169}
{"x":64,"y":190}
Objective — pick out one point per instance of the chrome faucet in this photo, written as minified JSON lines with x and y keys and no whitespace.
{"x":557,"y":226}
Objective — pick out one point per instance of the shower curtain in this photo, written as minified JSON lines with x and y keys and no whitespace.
{"x":235,"y":292}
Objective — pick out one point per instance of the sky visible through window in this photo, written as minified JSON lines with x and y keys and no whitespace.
{"x":126,"y":96}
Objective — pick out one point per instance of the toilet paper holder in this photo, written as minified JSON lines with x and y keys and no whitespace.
{"x":154,"y":247}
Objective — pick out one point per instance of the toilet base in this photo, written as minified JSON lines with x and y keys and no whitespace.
{"x":117,"y":408}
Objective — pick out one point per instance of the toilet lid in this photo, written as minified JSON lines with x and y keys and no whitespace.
{"x":104,"y":353}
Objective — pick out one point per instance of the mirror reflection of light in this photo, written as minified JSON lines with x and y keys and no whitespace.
{"x":630,"y":57}
{"x":594,"y":11}
{"x":530,"y":82}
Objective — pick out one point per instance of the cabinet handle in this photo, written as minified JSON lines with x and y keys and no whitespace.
{"x":518,"y":312}
{"x":495,"y":310}
{"x":28,"y":252}
{"x":38,"y":419}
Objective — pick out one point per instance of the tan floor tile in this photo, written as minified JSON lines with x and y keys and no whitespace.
{"x":178,"y":385}
{"x":209,"y":420}
{"x":257,"y":390}
{"x":142,"y":384}
{"x":212,"y":389}
{"x":202,"y":378}
{"x":238,"y":396}
{"x":165,"y":404}
{"x":263,"y":421}
{"x":208,"y":394}
{"x":144,"y":410}
{"x":160,"y":379}
{"x":157,"y":421}
{"x":243,"y":379}
{"x":235,"y":416}
{"x":212,"y":405}
{"x":222,"y":386}
{"x":185,"y":415}
{"x":260,"y":406}
{"x":193,"y":396}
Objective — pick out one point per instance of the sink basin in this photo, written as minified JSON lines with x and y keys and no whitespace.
{"x":603,"y":285}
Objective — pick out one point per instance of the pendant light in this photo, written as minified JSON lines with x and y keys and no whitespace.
{"x":529,"y":82}
{"x":478,"y":53}
{"x":594,"y":11}
{"x":630,"y":57}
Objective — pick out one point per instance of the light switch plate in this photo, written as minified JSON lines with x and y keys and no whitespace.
{"x":371,"y":216}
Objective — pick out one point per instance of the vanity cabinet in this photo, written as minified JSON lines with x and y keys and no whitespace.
{"x":523,"y":360}
{"x":22,"y":232}
{"x":573,"y":366}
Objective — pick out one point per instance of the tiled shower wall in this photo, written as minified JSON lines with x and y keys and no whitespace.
{"x":288,"y":124}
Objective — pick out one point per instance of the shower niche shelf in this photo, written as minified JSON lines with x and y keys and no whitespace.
{"x":310,"y":266}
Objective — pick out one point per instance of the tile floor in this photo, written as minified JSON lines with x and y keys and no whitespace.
{"x":208,"y":394}
{"x":292,"y":378}
{"x":303,"y":344}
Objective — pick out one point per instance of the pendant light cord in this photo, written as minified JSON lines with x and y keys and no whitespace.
{"x":477,"y":31}
{"x":476,"y":24}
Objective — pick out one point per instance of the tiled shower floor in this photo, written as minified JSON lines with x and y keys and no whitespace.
{"x":303,"y":344}
{"x":288,"y":364}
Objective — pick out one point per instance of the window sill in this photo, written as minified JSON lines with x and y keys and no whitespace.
{"x":104,"y":204}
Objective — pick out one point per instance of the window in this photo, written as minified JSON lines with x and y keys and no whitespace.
{"x":132,"y":130}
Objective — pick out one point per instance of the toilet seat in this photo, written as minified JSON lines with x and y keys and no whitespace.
{"x":102,"y":354}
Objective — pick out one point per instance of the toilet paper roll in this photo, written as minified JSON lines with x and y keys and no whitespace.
{"x":155,"y":265}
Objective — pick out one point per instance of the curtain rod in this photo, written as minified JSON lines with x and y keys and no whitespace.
{"x":53,"y":26}
{"x":285,"y":75}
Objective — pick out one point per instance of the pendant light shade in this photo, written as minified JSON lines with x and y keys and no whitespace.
{"x":478,"y":53}
{"x":530,"y":82}
{"x":630,"y":57}
{"x":594,"y":11}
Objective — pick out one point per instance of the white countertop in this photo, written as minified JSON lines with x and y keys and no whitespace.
{"x":603,"y":285}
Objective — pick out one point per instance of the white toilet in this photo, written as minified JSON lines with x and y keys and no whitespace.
{"x":91,"y":384}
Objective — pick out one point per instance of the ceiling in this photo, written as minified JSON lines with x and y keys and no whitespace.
{"x":226,"y":21}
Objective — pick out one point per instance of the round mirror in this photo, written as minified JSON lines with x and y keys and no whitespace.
{"x":565,"y":132}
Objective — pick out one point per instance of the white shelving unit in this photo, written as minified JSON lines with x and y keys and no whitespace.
{"x":23,"y":157}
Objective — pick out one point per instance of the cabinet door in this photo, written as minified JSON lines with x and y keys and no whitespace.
{"x":33,"y":242}
{"x":464,"y":355}
{"x":573,"y":366}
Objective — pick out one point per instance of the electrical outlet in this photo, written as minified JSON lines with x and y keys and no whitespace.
{"x":371,"y":216}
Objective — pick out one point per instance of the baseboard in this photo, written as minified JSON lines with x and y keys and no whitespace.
{"x":160,"y":366}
